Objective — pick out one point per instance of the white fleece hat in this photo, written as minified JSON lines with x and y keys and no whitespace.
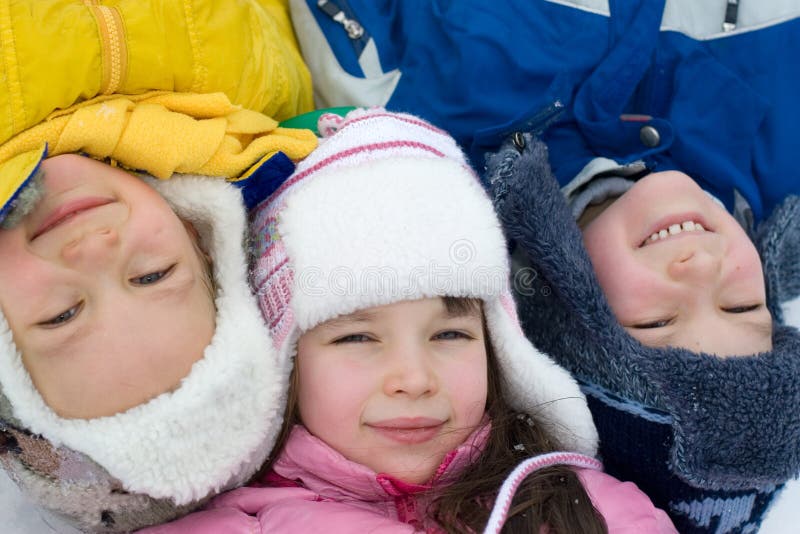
{"x":159,"y":459}
{"x":386,"y":209}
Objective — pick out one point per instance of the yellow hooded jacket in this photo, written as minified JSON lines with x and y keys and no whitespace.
{"x":162,"y":86}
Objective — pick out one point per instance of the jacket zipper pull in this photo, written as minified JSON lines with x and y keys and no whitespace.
{"x":731,"y":15}
{"x":353,"y":28}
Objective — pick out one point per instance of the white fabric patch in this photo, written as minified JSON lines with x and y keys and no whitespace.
{"x":703,"y":20}
{"x":333,"y":86}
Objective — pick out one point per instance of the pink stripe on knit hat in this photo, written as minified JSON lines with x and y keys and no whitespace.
{"x":340,"y":156}
{"x":398,"y":117}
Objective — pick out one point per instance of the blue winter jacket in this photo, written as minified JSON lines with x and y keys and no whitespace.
{"x":616,"y":87}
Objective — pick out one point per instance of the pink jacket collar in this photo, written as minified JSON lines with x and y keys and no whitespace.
{"x":317,"y":467}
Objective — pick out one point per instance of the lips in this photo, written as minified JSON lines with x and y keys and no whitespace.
{"x":408,"y":430}
{"x":673,"y":225}
{"x":67,"y":211}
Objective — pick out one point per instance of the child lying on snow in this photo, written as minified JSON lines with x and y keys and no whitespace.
{"x":384,"y":276}
{"x":136,"y":376}
{"x":660,"y":309}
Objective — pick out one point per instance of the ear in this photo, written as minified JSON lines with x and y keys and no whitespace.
{"x":778,"y":241}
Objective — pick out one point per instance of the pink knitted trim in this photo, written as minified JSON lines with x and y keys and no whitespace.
{"x":404,"y":118}
{"x":350,"y":152}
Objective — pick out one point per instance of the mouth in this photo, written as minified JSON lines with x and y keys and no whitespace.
{"x":67,"y":211}
{"x":673,"y":226}
{"x":408,"y":430}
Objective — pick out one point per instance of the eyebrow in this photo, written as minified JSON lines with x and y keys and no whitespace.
{"x":341,"y":321}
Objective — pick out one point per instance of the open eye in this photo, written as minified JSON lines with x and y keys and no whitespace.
{"x":63,"y":317}
{"x":661,"y":323}
{"x":742,"y":309}
{"x":448,"y":335}
{"x":152,"y":278}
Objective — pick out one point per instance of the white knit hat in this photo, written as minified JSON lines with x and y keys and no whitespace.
{"x":385,"y":210}
{"x":155,"y":460}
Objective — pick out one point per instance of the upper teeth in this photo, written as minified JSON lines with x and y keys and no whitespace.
{"x":674,"y":229}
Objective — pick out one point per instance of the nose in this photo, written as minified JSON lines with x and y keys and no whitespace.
{"x":697,"y":267}
{"x":92,"y":249}
{"x":410,"y":374}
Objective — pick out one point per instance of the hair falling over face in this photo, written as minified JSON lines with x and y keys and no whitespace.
{"x":553,"y":498}
{"x":550,"y":500}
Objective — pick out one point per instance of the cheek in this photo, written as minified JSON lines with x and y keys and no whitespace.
{"x":467,"y":386}
{"x":23,"y":282}
{"x":330,"y":393}
{"x":614,"y":270}
{"x":746,"y":266}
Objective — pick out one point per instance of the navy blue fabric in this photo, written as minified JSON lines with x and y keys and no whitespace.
{"x":265,"y":179}
{"x":726,"y":108}
{"x":628,"y":453}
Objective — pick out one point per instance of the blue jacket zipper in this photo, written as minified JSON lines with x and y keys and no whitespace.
{"x":341,"y":13}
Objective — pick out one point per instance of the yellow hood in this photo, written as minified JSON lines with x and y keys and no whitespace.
{"x":159,"y":86}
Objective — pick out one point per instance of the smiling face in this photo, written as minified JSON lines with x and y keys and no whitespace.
{"x":678,"y":270}
{"x":394,"y":387}
{"x":104,"y":291}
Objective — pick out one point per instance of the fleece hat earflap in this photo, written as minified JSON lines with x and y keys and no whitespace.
{"x":155,"y":461}
{"x":387,"y":210}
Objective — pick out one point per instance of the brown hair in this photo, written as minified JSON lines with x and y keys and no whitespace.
{"x":553,"y":496}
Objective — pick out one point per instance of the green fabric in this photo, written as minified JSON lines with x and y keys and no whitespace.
{"x":309,"y":120}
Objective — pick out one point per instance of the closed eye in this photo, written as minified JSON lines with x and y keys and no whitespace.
{"x":742,"y":309}
{"x":62,"y":318}
{"x":152,"y":278}
{"x":352,"y":338}
{"x":661,"y":323}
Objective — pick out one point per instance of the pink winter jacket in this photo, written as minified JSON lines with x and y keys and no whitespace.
{"x":313,"y":488}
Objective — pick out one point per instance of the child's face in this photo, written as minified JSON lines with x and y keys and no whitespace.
{"x":104,"y":290}
{"x":702,"y":289}
{"x":394,"y":387}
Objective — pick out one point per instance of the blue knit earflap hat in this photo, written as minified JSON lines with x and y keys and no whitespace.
{"x":709,"y":439}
